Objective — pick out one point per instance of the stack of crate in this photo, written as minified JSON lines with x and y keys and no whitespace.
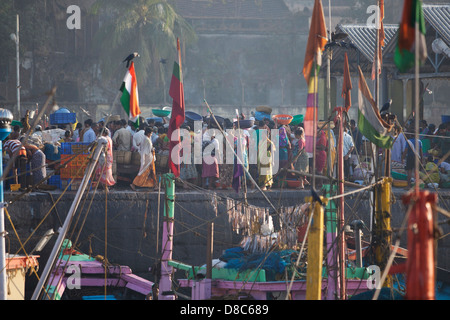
{"x":76,"y":155}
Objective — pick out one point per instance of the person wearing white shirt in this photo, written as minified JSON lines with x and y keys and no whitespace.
{"x":138,"y":137}
{"x":131,"y":127}
{"x":89,"y":135}
{"x":348,"y":148}
{"x":398,"y":148}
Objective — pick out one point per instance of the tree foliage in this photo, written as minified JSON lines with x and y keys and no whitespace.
{"x":149,"y":27}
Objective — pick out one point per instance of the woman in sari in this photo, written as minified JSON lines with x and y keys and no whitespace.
{"x":146,"y":177}
{"x":302,"y":162}
{"x":265,"y":180}
{"x":104,"y":168}
{"x":284,"y":147}
{"x":321,"y":152}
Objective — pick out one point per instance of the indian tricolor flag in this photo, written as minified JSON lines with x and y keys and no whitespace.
{"x":412,"y":20}
{"x":130,"y":95}
{"x":370,"y":123}
{"x":317,"y":40}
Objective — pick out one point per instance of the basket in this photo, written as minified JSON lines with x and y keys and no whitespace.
{"x":122,"y":157}
{"x":264,"y":109}
{"x":17,"y":123}
{"x":297,"y":119}
{"x":161,"y":113}
{"x":400,"y":183}
{"x":162,"y":160}
{"x":283,"y":119}
{"x":259,"y":116}
{"x":244,"y":124}
{"x":63,"y":118}
{"x":136,"y":158}
{"x":399,"y":176}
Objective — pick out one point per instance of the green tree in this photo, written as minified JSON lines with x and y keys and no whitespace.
{"x":149,"y":27}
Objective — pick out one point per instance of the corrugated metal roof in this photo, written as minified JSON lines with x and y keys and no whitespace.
{"x":364,"y":37}
{"x":438,"y":16}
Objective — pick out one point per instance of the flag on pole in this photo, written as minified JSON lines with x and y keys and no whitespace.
{"x":130,"y":95}
{"x":347,"y":85}
{"x":370,"y":123}
{"x":412,"y":18}
{"x":317,"y":40}
{"x":177,"y":117}
{"x":381,"y":36}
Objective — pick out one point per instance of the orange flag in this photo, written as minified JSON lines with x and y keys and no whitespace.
{"x":347,"y":85}
{"x":317,"y":40}
{"x":313,"y":60}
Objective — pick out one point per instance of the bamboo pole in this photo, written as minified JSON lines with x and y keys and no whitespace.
{"x":383,"y":231}
{"x":315,"y":253}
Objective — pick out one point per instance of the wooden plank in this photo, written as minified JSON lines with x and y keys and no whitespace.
{"x":138,"y":284}
{"x":298,"y":290}
{"x":100,"y":282}
{"x":94,"y":267}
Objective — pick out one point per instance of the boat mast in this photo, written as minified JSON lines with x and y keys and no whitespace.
{"x":332,"y":260}
{"x":101,"y":143}
{"x":165,"y":282}
{"x":341,"y":178}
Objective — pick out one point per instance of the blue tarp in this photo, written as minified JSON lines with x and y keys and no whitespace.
{"x":273,"y":262}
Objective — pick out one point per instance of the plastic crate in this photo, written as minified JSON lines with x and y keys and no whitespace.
{"x":55,"y":180}
{"x":63,"y":118}
{"x":75,"y":147}
{"x":72,"y":173}
{"x":73,"y":160}
{"x":76,"y":168}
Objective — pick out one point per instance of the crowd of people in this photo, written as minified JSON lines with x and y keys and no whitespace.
{"x":211,"y":169}
{"x":433,"y":153}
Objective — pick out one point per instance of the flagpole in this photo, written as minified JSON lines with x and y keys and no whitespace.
{"x":377,"y":89}
{"x":416,"y":100}
{"x":314,"y":125}
{"x":332,"y":281}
